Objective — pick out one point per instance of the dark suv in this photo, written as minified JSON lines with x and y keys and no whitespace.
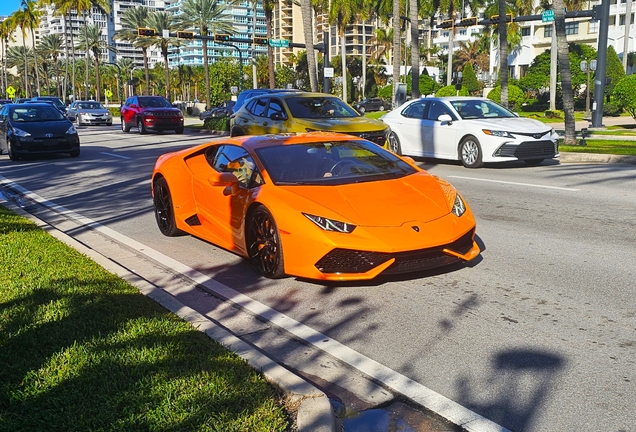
{"x":371,"y":104}
{"x":150,"y":113}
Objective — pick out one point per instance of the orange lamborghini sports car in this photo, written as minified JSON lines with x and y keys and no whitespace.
{"x":314,"y":205}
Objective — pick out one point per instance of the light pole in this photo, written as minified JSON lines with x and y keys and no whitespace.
{"x":585,"y":67}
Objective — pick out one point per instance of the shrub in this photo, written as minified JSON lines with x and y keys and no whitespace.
{"x":556,"y":114}
{"x":612,"y":109}
{"x":625,"y":94}
{"x":516,"y":97}
{"x":451,"y":91}
{"x":217,"y":123}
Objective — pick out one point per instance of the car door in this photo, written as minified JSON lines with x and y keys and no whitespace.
{"x":439,"y":138}
{"x":276,"y":116}
{"x":128,"y":111}
{"x":222,"y":214}
{"x":410,"y":128}
{"x":4,"y":124}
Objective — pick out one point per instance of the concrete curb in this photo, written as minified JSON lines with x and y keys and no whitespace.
{"x":314,"y":412}
{"x":575,"y":157}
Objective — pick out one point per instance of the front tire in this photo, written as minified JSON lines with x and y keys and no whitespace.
{"x":164,"y":210}
{"x":178,"y":131}
{"x":12,"y":155}
{"x":141,"y":127}
{"x":381,"y":108}
{"x":263,"y":244}
{"x":394,"y":144}
{"x":75,"y":153}
{"x":470,"y":152}
{"x":77,"y":120}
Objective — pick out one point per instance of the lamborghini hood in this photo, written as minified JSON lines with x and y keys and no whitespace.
{"x":387,"y":203}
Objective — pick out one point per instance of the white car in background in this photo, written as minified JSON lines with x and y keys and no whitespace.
{"x":469,"y":129}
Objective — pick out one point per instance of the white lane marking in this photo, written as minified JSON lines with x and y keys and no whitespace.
{"x":515,"y":183}
{"x":452,"y":411}
{"x":115,"y":155}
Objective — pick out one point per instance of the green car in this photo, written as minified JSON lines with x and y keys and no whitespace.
{"x":287,"y":112}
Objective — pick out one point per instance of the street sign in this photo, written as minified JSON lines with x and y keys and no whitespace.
{"x":547,"y":15}
{"x":108,"y":93}
{"x":10,"y":92}
{"x":328,"y":72}
{"x":279,"y":43}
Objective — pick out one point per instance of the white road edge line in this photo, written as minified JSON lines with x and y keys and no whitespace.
{"x":393,"y":380}
{"x":114,"y":155}
{"x":514,"y":183}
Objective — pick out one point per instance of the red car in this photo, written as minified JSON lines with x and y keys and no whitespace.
{"x":150,"y":113}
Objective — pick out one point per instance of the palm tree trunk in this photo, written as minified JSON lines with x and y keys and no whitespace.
{"x":87,"y":53}
{"x":74,"y":65}
{"x":449,"y":68}
{"x":396,"y":48}
{"x":58,"y":87}
{"x":364,"y":58}
{"x":503,"y":53}
{"x":270,"y":55}
{"x":66,"y":56}
{"x":415,"y":50}
{"x":563,"y":58}
{"x":343,"y":57}
{"x":97,"y":77}
{"x":144,"y":51}
{"x":206,"y":70}
{"x":165,"y":59}
{"x":26,"y":69}
{"x":35,"y":59}
{"x":308,"y":30}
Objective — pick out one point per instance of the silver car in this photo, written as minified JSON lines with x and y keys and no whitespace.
{"x":89,"y":112}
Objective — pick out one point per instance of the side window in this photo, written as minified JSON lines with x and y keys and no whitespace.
{"x":437,"y":109}
{"x":237,"y":161}
{"x":258,"y":108}
{"x":275,"y":107}
{"x":415,"y":110}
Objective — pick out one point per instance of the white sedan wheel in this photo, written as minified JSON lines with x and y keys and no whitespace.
{"x":470,"y":152}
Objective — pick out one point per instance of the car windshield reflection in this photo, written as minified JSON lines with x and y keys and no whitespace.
{"x":36,"y":114}
{"x":331,"y":163}
{"x":479,"y":109}
{"x":319,"y":107}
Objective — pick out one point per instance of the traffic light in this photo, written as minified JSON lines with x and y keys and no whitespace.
{"x":146,"y":32}
{"x":467,"y":22}
{"x":185,"y":34}
{"x":261,"y":41}
{"x":446,"y":24}
{"x":495,"y":18}
{"x":222,"y":37}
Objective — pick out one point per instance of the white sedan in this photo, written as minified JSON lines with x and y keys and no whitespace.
{"x":469,"y":129}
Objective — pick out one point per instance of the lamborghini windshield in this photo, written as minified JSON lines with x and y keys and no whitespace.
{"x":325,"y":163}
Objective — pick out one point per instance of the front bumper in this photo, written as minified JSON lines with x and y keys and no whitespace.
{"x":66,"y":144}
{"x":163,"y":123}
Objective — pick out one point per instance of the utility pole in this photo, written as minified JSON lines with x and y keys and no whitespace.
{"x":254,"y":78}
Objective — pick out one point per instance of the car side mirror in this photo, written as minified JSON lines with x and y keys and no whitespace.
{"x":226,"y":179}
{"x":445,"y":118}
{"x":277,"y":116}
{"x":408,"y":159}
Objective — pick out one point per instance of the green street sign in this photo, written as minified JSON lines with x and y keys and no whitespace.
{"x":279,"y":43}
{"x":10,"y":91}
{"x":547,"y":15}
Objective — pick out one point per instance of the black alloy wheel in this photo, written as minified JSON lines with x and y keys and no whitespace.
{"x":263,"y":244}
{"x":164,"y":211}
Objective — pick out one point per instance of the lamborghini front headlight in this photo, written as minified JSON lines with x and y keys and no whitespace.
{"x":331,"y":224}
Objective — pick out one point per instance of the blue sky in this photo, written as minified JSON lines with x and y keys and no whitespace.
{"x":7,"y":7}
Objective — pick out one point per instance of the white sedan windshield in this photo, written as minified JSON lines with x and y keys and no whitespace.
{"x":479,"y":108}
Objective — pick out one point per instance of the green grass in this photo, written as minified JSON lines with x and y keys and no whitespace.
{"x":626,"y":148}
{"x":82,"y":350}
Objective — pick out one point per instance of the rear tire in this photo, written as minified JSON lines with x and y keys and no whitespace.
{"x":381,"y":108}
{"x":470,"y":152}
{"x":263,"y":244}
{"x":394,"y":144}
{"x":164,"y":210}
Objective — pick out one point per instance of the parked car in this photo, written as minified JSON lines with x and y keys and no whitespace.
{"x":150,"y":113}
{"x":89,"y":112}
{"x":247,"y":94}
{"x":5,"y":101}
{"x":55,"y":101}
{"x":273,"y":113}
{"x":371,"y":104}
{"x":224,"y":109}
{"x":21,"y":100}
{"x":323,"y":206}
{"x":468,"y":129}
{"x":34,"y":128}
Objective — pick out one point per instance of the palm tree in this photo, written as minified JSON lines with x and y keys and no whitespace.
{"x":380,"y":44}
{"x":415,"y":48}
{"x":206,"y":16}
{"x":341,"y":14}
{"x":563,"y":57}
{"x":95,"y":44}
{"x":31,"y":20}
{"x":18,"y":18}
{"x":50,"y":48}
{"x":471,"y":52}
{"x":7,"y":27}
{"x":84,"y":7}
{"x":18,"y":56}
{"x":126,"y":66}
{"x":131,"y":20}
{"x":308,"y":31}
{"x":163,"y":21}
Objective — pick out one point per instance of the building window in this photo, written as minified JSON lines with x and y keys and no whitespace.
{"x":621,"y":20}
{"x":462,"y":32}
{"x":593,"y":27}
{"x":572,"y":28}
{"x":547,"y":31}
{"x":525,"y":31}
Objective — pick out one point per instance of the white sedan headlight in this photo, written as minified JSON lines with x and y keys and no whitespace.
{"x":459,"y":208}
{"x":331,"y":224}
{"x":502,"y":134}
